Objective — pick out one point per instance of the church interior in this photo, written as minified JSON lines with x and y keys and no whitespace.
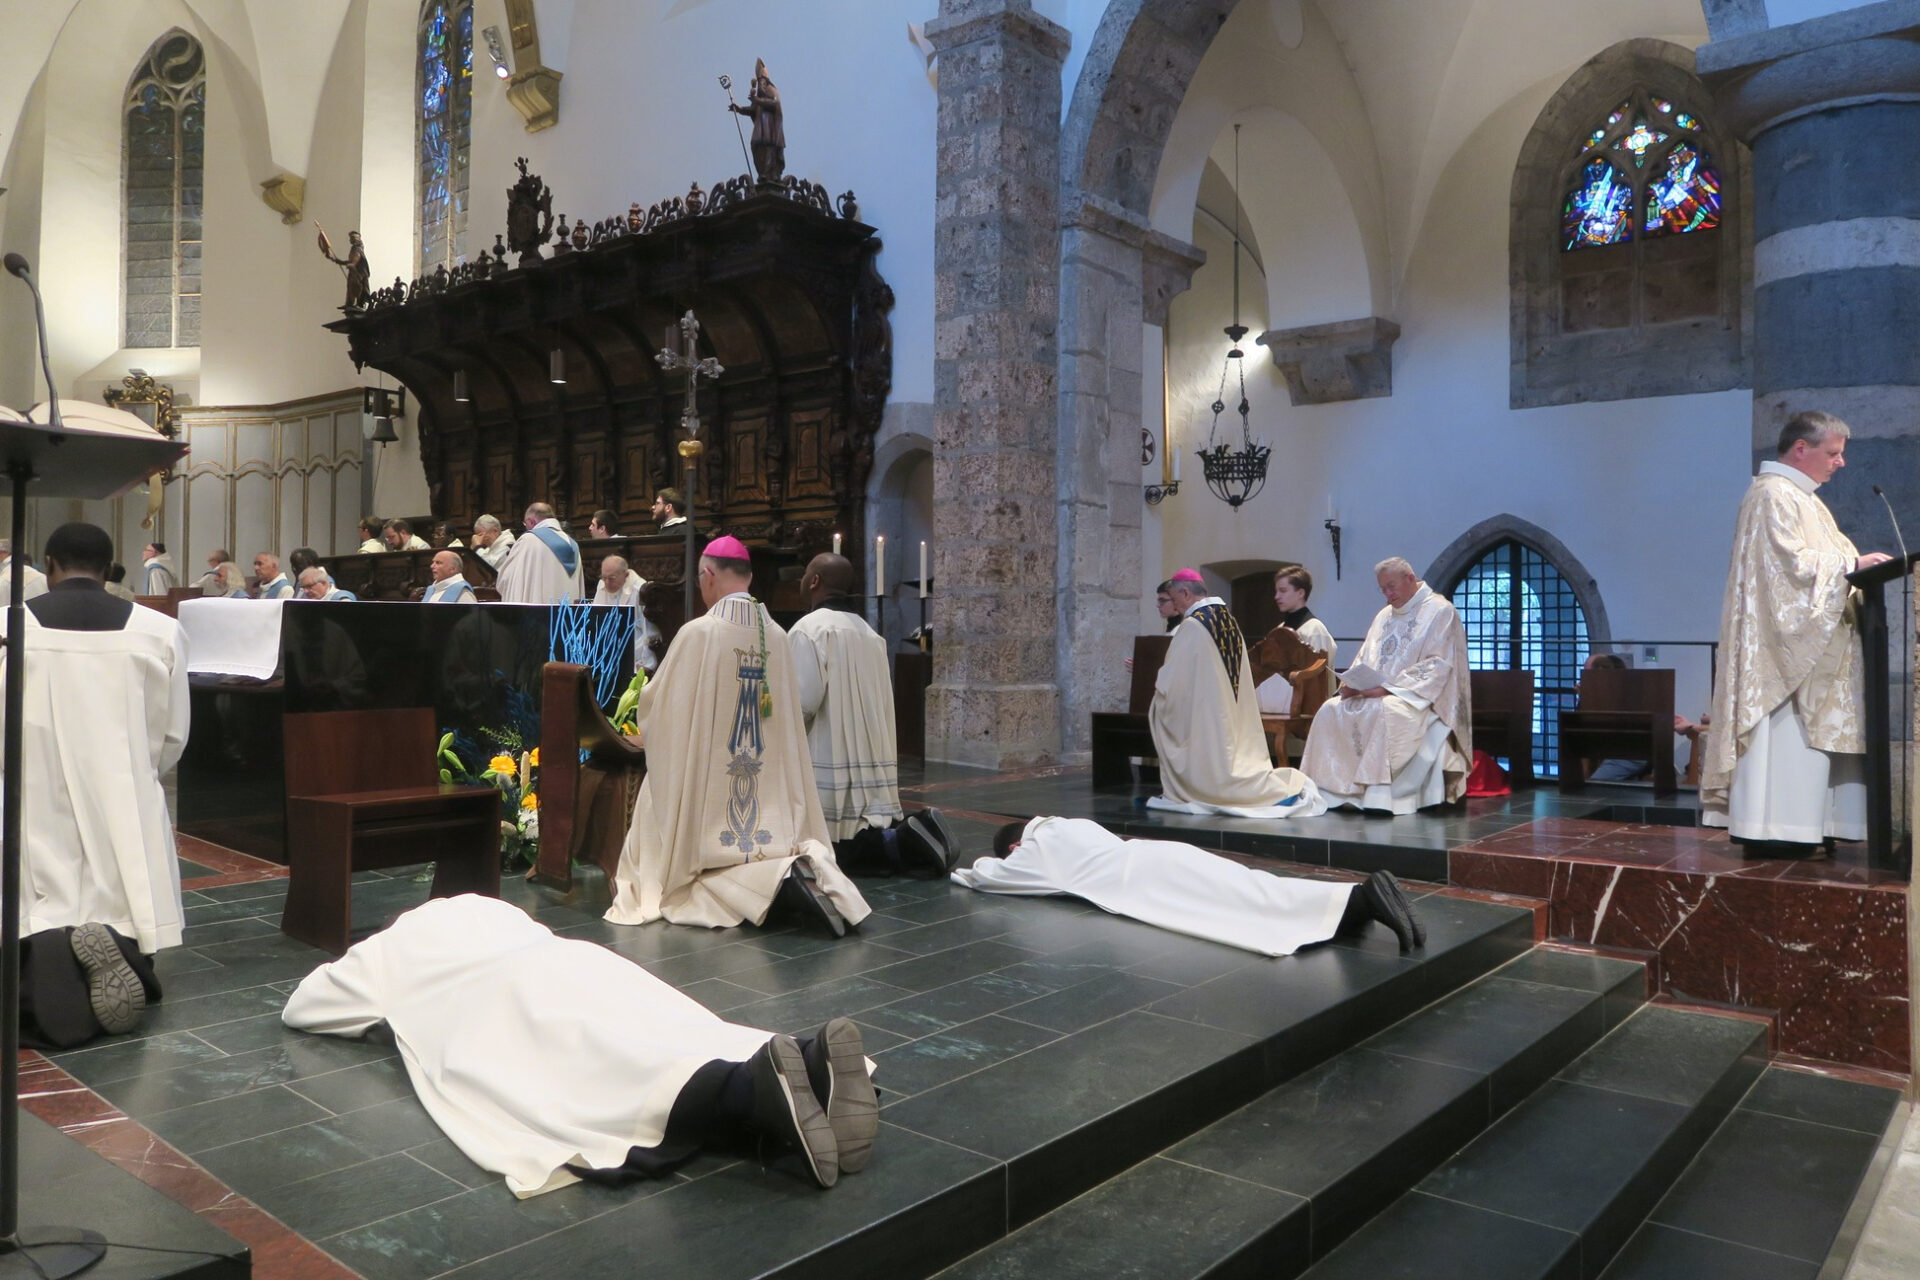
{"x":1035,"y":311}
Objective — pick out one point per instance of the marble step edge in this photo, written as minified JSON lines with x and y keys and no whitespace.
{"x":1406,"y":1228}
{"x":1285,"y":1244}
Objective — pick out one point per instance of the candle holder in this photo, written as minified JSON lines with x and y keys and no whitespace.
{"x":1155,"y":494}
{"x":1333,"y":532}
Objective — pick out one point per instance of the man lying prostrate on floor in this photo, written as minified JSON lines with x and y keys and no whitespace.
{"x":1205,"y":719}
{"x":1187,"y":890}
{"x":550,"y":1059}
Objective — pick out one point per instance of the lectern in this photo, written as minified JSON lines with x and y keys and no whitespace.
{"x":1883,"y":852}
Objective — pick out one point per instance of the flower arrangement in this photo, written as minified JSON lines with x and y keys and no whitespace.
{"x":626,"y":711}
{"x":514,"y":770}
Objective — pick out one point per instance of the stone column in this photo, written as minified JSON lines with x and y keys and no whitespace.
{"x":995,"y":698}
{"x":1829,"y":108}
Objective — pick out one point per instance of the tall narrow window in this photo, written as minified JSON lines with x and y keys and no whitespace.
{"x":1519,"y":613}
{"x":445,"y":91}
{"x":166,"y":114}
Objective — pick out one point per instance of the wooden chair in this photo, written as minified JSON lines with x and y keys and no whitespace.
{"x":1502,"y":709}
{"x":585,"y":805}
{"x":1118,"y":736}
{"x":1623,"y":715}
{"x":364,"y":793}
{"x":1282,"y":652}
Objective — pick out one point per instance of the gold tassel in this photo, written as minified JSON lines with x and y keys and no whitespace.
{"x":766,"y":703}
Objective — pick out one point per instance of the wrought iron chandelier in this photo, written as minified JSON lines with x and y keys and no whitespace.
{"x":1234,"y":475}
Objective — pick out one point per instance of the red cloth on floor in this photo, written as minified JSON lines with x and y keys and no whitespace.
{"x":1487,"y":778}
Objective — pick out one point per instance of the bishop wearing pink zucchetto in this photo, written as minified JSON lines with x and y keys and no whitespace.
{"x":728,"y":826}
{"x":1205,"y":719}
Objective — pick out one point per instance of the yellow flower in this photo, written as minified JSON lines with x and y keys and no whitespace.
{"x":530,"y":801}
{"x":502,"y":764}
{"x":533,"y":757}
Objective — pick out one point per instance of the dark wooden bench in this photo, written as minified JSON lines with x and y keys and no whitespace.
{"x":363,"y":794}
{"x":1118,"y":736}
{"x":585,"y":805}
{"x":1502,"y":711}
{"x":1623,"y":715}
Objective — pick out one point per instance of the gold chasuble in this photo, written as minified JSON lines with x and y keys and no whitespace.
{"x":1206,"y":726}
{"x":728,"y":803}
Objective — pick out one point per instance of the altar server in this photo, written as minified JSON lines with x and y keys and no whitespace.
{"x":620,"y":586}
{"x":1784,"y":758}
{"x":1407,"y":742}
{"x":1187,"y":890}
{"x":448,"y":586}
{"x":105,"y":717}
{"x":544,"y":565}
{"x":846,"y":695}
{"x":727,"y":818}
{"x":545,"y":1058}
{"x":1205,"y":719}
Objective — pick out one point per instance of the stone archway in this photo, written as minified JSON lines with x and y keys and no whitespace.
{"x":1463,"y":551}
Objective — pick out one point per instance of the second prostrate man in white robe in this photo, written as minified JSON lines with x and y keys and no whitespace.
{"x":1406,"y":742}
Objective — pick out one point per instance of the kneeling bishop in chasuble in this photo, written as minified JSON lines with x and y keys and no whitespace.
{"x":728,"y":818}
{"x":1405,"y":740}
{"x":1205,"y":719}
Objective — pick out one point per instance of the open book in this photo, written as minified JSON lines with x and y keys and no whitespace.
{"x":1361,"y":676}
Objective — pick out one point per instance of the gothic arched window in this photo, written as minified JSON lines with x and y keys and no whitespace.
{"x":445,"y":104}
{"x":1627,"y":237}
{"x":1521,"y":613}
{"x":165,"y":151}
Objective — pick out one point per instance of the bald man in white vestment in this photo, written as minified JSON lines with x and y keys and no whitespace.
{"x":106,"y":716}
{"x":728,"y":819}
{"x":619,"y":586}
{"x":544,"y":565}
{"x":549,"y":1059}
{"x":1205,"y":719}
{"x":1406,"y":742}
{"x":1784,"y":756}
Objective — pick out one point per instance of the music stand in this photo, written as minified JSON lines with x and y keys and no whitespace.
{"x":1883,"y":852}
{"x":97,"y":453}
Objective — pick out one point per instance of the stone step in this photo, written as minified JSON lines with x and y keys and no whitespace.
{"x":1766,"y":1197}
{"x":1557,"y":1186}
{"x":1263,"y":1191}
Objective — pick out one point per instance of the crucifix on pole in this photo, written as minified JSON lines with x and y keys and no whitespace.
{"x":682,"y":354}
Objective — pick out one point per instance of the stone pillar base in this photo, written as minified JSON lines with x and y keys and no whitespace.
{"x":995,"y":727}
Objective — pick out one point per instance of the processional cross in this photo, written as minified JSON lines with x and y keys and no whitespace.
{"x":682,"y":354}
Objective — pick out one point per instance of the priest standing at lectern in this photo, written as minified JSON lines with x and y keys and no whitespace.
{"x":728,"y":818}
{"x":1205,"y":719}
{"x":544,"y":565}
{"x":1402,"y":740}
{"x":1784,"y":760}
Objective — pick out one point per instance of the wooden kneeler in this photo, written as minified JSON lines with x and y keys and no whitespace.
{"x":364,"y":794}
{"x":586,"y":804}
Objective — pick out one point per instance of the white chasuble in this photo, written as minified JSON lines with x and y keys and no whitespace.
{"x":1165,"y":884}
{"x":1413,"y":747}
{"x":846,"y":695}
{"x":1205,"y":719}
{"x":728,"y":803}
{"x":542,"y":568}
{"x":1788,"y":639}
{"x":533,"y":1053}
{"x":106,"y":715}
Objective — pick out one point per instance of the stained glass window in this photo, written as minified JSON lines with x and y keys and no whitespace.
{"x":1671,"y":187}
{"x":1520,"y":613}
{"x":164,"y":158}
{"x":445,"y":87}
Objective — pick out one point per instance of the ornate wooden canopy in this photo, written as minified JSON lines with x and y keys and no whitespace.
{"x":790,"y":302}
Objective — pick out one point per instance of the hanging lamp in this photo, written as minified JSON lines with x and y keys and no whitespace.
{"x":1234,"y":475}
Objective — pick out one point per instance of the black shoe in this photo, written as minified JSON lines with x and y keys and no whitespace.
{"x":785,"y":1110}
{"x":935,"y":824}
{"x":1390,"y":906}
{"x":837,"y":1070}
{"x":801,"y":898}
{"x":921,"y":855}
{"x":113,"y":988}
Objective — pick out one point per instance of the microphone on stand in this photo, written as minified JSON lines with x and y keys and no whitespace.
{"x":1878,"y":492}
{"x":17,"y":266}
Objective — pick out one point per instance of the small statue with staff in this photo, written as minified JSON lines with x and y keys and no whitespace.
{"x":769,"y":133}
{"x":359,"y":274}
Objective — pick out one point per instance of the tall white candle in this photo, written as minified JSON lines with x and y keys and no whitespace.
{"x":923,"y":569}
{"x":1329,"y":506}
{"x":836,"y":544}
{"x":1176,"y":468}
{"x":880,"y":565}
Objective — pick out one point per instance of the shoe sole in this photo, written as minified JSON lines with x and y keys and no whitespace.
{"x":114,"y":990}
{"x":1405,"y":904}
{"x":931,"y":862}
{"x":949,"y":844}
{"x":853,"y":1109}
{"x":817,"y":1143}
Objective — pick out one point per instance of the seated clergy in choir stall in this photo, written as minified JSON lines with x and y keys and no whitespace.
{"x":448,"y":585}
{"x":106,"y":718}
{"x":547,"y":1059}
{"x":1206,"y":724}
{"x":208,"y":581}
{"x":156,"y":568}
{"x":1292,"y":585}
{"x":670,"y":510}
{"x":727,"y":818}
{"x":371,"y":528}
{"x":846,"y":695}
{"x":317,"y":584}
{"x":620,"y":586}
{"x":274,"y":585}
{"x":398,"y":535}
{"x":34,"y":582}
{"x":226,"y":582}
{"x":1186,"y":890}
{"x":1402,"y":740}
{"x":544,"y":565}
{"x":1784,"y":759}
{"x":491,"y":541}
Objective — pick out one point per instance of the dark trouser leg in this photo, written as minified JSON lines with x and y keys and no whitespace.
{"x":869,"y":852}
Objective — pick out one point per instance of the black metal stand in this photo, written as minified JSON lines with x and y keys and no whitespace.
{"x":20,"y":1255}
{"x":1883,"y":852}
